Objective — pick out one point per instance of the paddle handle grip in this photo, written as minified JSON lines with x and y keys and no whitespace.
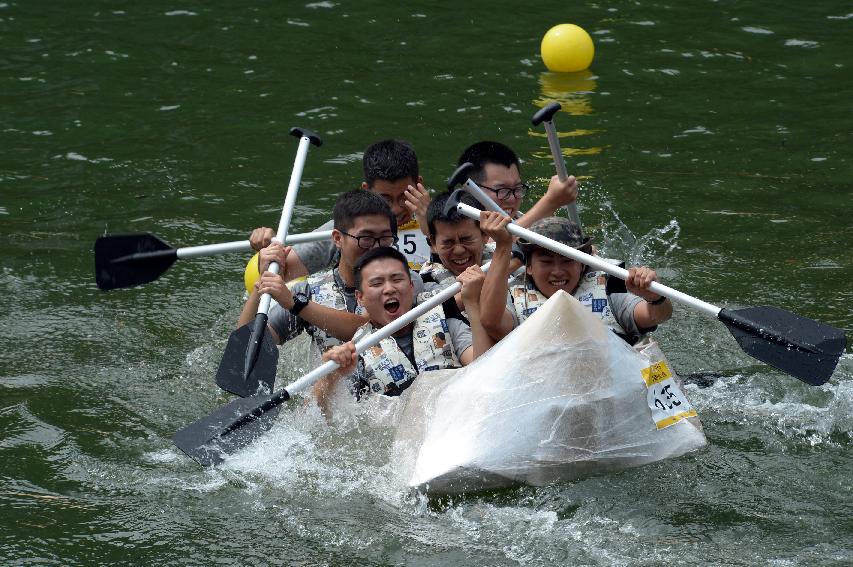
{"x":244,"y":245}
{"x":595,"y":262}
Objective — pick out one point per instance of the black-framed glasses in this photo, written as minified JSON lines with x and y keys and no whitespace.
{"x":368,"y":242}
{"x":505,"y":193}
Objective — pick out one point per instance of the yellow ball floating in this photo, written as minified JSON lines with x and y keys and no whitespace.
{"x":567,"y":48}
{"x":251,"y":275}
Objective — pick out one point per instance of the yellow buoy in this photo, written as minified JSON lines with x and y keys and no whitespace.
{"x":567,"y":48}
{"x":251,"y":275}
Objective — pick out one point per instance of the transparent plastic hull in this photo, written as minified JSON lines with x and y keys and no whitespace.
{"x":559,"y":398}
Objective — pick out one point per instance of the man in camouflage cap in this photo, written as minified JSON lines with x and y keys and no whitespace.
{"x":629,"y":308}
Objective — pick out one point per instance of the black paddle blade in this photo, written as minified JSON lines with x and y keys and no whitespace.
{"x":230,"y":428}
{"x":131,"y":259}
{"x":230,"y":375}
{"x":804,"y":348}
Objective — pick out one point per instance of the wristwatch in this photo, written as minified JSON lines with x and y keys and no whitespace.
{"x":300,"y":300}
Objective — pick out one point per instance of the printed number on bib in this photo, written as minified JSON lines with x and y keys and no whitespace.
{"x":409,"y":244}
{"x":413,"y":244}
{"x":668,"y":403}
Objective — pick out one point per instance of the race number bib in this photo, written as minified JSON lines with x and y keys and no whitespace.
{"x":413,"y":244}
{"x":666,"y":400}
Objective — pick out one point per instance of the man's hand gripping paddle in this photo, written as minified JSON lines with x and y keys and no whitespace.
{"x":233,"y":426}
{"x":806,"y":349}
{"x":250,"y":357}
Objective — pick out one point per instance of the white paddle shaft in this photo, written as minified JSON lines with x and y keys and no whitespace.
{"x":373,"y":339}
{"x":242,"y":245}
{"x":595,"y":262}
{"x":287,"y":210}
{"x":483,"y":197}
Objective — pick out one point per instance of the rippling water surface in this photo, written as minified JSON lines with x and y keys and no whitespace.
{"x":712,"y":140}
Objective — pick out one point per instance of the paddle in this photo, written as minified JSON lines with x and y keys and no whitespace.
{"x":126,"y":260}
{"x":806,"y":349}
{"x":250,"y":342}
{"x":546,"y":116}
{"x":238,"y":423}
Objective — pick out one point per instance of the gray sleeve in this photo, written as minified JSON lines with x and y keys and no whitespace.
{"x":320,"y":255}
{"x":622,"y":305}
{"x":460,"y":336}
{"x":283,"y":322}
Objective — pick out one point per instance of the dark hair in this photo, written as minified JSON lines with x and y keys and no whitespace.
{"x":389,"y":160}
{"x":377,"y":254}
{"x":359,"y":203}
{"x":486,"y":152}
{"x":435,"y":211}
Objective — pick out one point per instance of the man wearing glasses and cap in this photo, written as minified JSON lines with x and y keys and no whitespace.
{"x":324,"y":304}
{"x":497,"y":170}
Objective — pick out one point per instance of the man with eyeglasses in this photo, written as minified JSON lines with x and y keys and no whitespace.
{"x":497,"y":171}
{"x":324,"y":304}
{"x":390,"y":169}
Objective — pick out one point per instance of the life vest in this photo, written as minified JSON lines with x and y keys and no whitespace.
{"x":326,"y":291}
{"x":591,"y":292}
{"x":389,"y":370}
{"x":413,"y":244}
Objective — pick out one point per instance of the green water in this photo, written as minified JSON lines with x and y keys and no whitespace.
{"x":713,"y":140}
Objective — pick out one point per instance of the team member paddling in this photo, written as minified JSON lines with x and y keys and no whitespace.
{"x":435,"y":340}
{"x":457,"y":241}
{"x":391,"y":171}
{"x":324,"y":305}
{"x":631,"y":310}
{"x":498,"y":171}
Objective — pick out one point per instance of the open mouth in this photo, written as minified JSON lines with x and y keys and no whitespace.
{"x":558,"y":283}
{"x":461,"y":262}
{"x":392,"y":306}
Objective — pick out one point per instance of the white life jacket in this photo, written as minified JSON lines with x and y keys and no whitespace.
{"x":413,"y":244}
{"x":591,"y":292}
{"x":389,"y":370}
{"x":326,"y":291}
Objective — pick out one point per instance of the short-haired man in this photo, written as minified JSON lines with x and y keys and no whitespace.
{"x":324,"y":305}
{"x":457,"y":242}
{"x":498,"y":171}
{"x":390,"y":169}
{"x":434,"y":341}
